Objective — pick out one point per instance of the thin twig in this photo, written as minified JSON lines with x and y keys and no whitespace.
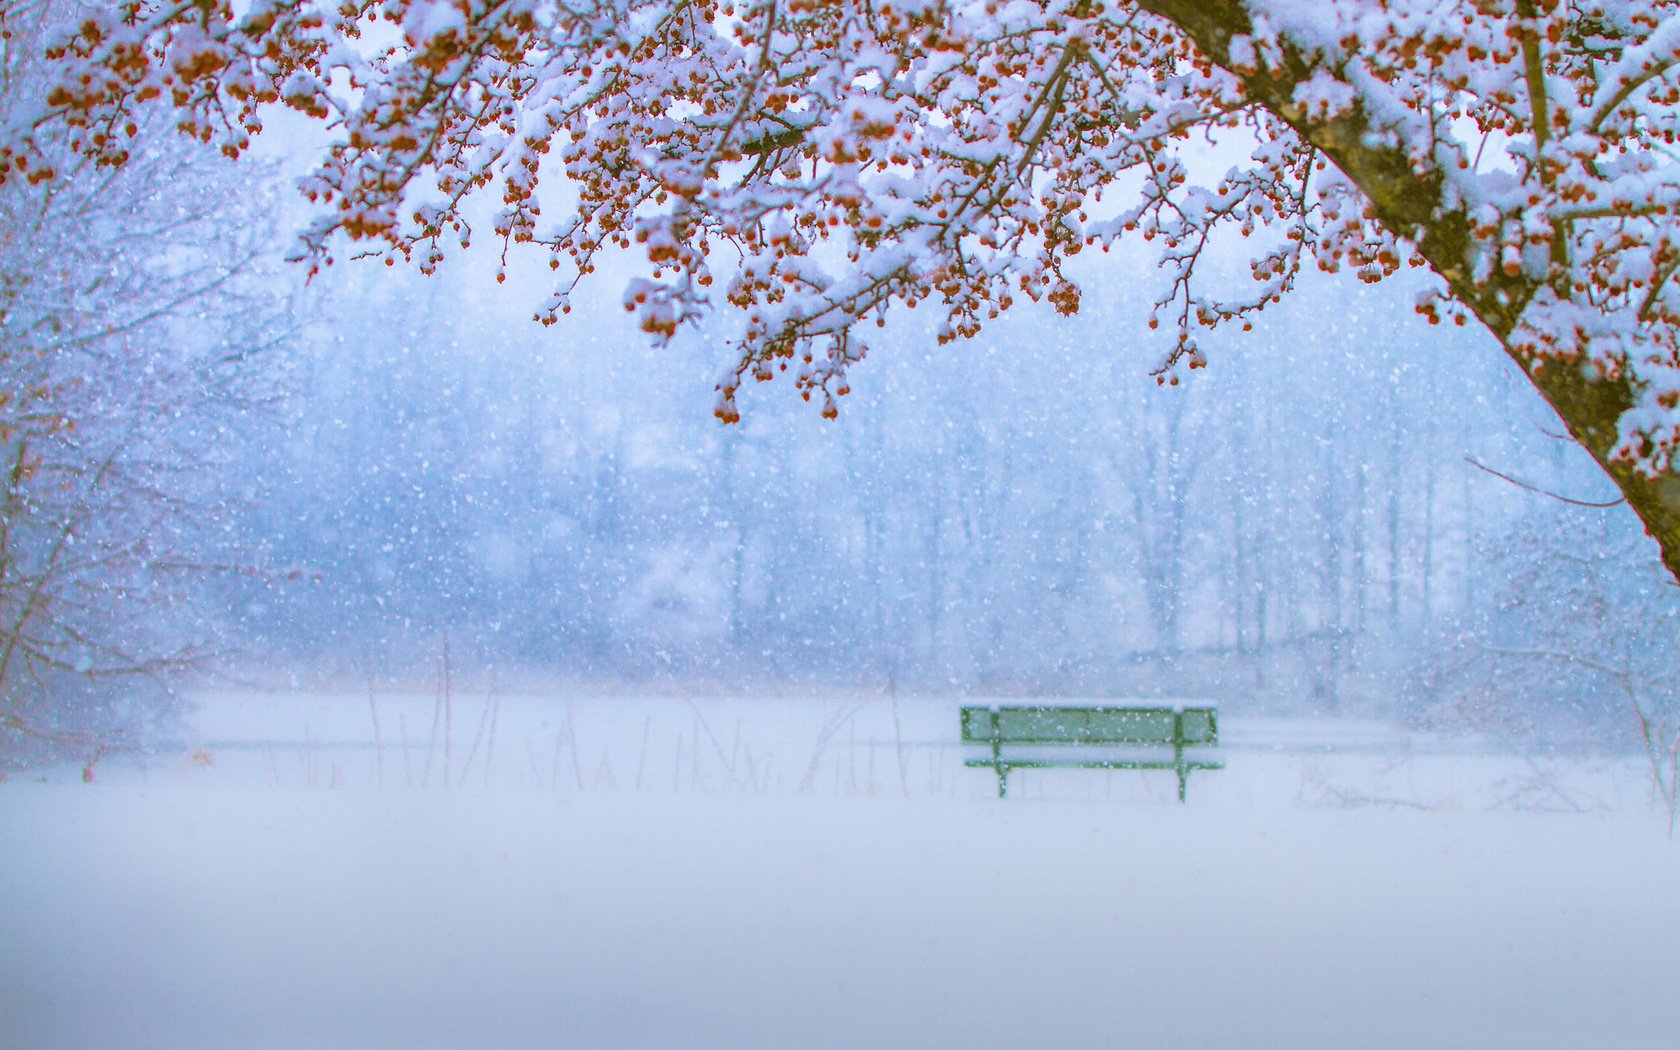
{"x":1543,"y":492}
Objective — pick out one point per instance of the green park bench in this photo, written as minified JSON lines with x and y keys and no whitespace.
{"x":1045,"y":737}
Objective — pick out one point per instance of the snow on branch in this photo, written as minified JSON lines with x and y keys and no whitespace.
{"x":823,"y":163}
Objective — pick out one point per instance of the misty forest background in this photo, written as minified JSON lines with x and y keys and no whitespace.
{"x":1030,"y":513}
{"x":1298,"y":528}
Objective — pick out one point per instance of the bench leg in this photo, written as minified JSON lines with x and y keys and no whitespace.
{"x":1003,"y":781}
{"x":1183,"y":778}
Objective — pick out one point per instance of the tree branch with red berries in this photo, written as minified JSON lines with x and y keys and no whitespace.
{"x":809,"y":166}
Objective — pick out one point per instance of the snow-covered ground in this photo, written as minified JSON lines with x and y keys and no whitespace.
{"x":674,"y":873}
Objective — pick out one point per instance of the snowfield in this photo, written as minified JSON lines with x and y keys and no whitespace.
{"x":667,"y":873}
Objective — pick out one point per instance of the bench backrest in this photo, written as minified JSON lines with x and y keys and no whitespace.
{"x":1194,"y":726}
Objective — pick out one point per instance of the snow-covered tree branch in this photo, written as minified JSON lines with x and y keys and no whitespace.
{"x":821,"y":163}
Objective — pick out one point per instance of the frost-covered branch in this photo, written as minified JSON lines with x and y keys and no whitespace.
{"x":824,"y":162}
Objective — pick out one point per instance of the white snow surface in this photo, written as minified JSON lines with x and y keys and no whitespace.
{"x":815,"y":876}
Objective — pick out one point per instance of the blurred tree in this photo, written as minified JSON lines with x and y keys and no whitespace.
{"x":1581,"y":627}
{"x":134,"y":338}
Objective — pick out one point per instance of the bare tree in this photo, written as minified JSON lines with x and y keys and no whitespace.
{"x":134,"y":338}
{"x":1579,"y":631}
